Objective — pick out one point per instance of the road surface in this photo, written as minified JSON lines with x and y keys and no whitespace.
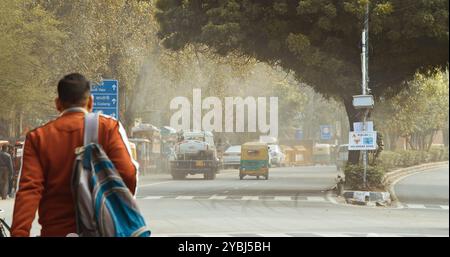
{"x":293,"y":202}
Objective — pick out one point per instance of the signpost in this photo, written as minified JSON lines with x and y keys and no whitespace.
{"x":106,"y":98}
{"x":299,"y":134}
{"x":325,"y":132}
{"x":359,"y":126}
{"x":363,"y":141}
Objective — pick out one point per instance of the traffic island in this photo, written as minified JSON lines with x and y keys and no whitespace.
{"x":381,"y":198}
{"x":367,"y":198}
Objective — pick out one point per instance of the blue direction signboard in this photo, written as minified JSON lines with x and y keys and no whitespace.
{"x":299,"y":134}
{"x":106,"y":98}
{"x":325,"y":132}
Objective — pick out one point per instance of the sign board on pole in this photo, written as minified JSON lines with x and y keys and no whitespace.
{"x":325,"y":132}
{"x":106,"y":98}
{"x":299,"y":134}
{"x":362,"y":140}
{"x":359,"y":127}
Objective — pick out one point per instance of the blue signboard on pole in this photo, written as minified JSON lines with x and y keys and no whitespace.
{"x":299,"y":134}
{"x":106,"y":98}
{"x":325,"y":132}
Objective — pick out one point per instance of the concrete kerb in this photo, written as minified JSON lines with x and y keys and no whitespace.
{"x":389,"y":180}
{"x":392,"y":177}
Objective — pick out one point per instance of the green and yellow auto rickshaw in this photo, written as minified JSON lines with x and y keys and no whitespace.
{"x":254,"y":160}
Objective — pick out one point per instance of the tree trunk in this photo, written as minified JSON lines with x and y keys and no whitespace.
{"x":430,"y":141}
{"x":130,"y":108}
{"x":352,"y":115}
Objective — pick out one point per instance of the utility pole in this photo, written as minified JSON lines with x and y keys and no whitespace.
{"x":365,"y":78}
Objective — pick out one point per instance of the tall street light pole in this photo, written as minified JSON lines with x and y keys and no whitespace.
{"x":365,"y":78}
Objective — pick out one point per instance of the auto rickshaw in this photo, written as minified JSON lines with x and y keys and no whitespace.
{"x":254,"y":160}
{"x":142,"y":153}
{"x":289,"y":155}
{"x":300,"y":157}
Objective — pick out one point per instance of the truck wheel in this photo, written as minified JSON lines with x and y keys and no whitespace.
{"x":267,"y":176}
{"x":179,"y":176}
{"x":257,"y":177}
{"x":206,"y":176}
{"x":241,"y":177}
{"x":212,"y":175}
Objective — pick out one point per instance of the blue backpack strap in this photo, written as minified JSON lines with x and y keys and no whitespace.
{"x":91,"y":128}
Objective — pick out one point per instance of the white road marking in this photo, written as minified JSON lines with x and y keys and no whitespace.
{"x":184,"y":197}
{"x":215,"y":235}
{"x":250,"y":198}
{"x":282,"y":198}
{"x":274,"y":235}
{"x":152,"y":184}
{"x":315,"y":199}
{"x":416,"y":206}
{"x":152,"y":197}
{"x":332,"y":235}
{"x":218,"y":197}
{"x":445,"y":207}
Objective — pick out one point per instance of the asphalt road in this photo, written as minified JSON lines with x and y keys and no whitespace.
{"x":293,"y":202}
{"x":426,"y":188}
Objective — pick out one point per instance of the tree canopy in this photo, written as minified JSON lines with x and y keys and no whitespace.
{"x":319,"y":40}
{"x":417,"y":113}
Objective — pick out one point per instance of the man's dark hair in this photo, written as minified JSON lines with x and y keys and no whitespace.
{"x":73,"y":89}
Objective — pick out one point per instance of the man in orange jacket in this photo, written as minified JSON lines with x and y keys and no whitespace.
{"x":48,"y":159}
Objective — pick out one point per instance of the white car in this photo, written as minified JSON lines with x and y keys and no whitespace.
{"x":276,"y":155}
{"x":232,"y":157}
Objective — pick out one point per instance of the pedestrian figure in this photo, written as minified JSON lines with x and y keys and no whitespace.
{"x":48,"y":159}
{"x":6,"y":172}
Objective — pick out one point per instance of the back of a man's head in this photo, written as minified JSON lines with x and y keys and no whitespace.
{"x":74,"y":90}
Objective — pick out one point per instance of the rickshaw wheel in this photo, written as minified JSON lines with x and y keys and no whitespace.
{"x":257,"y":177}
{"x":267,"y":177}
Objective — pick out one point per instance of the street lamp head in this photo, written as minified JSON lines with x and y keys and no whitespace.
{"x":363,"y":101}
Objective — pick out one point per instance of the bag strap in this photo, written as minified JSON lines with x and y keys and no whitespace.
{"x":91,"y":128}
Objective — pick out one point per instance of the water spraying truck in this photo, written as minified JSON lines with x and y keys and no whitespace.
{"x":195,"y":154}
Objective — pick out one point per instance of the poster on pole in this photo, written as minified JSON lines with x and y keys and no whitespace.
{"x":359,"y":126}
{"x":362,"y":141}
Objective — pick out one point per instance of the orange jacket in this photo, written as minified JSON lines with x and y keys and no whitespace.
{"x":48,"y":159}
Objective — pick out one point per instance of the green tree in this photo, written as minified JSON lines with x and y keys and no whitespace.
{"x":29,"y":40}
{"x":107,"y":39}
{"x":317,"y":40}
{"x":417,"y":113}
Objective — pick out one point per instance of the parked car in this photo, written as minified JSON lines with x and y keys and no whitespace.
{"x":232,"y":157}
{"x":276,"y":155}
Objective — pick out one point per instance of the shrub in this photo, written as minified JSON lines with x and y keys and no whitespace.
{"x":406,"y":158}
{"x":389,"y":159}
{"x":354,"y":177}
